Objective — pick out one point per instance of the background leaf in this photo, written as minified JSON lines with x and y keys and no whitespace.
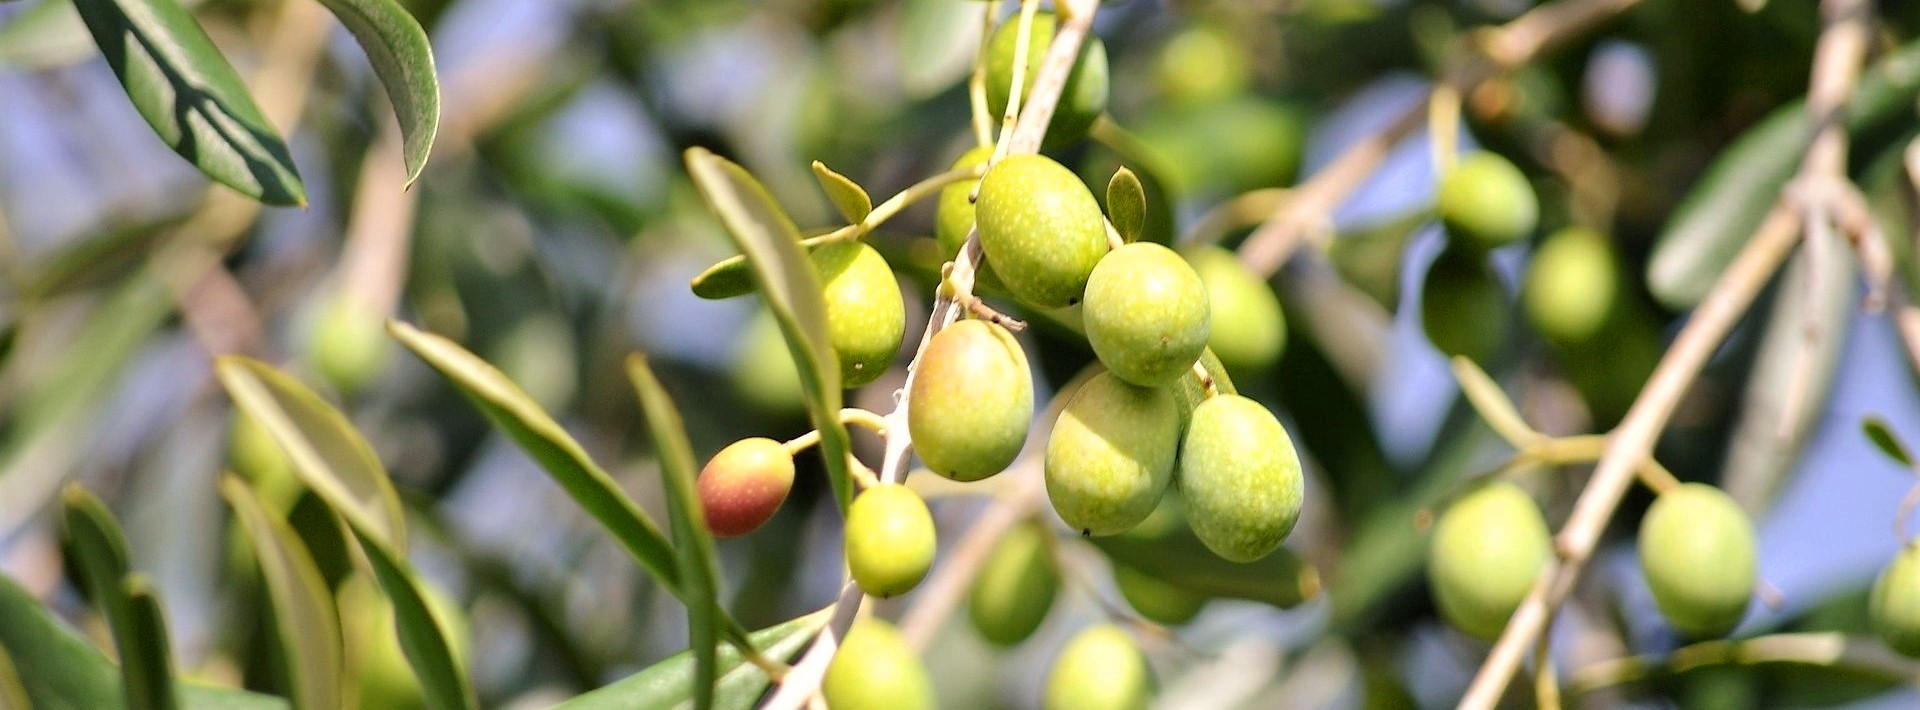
{"x":665,"y":684}
{"x":127,"y":602}
{"x":423,"y":635}
{"x":1127,"y":204}
{"x":847,"y":195}
{"x":147,"y":670}
{"x":398,"y":50}
{"x":193,"y":99}
{"x":13,"y":694}
{"x":303,"y":610}
{"x":1883,"y":438}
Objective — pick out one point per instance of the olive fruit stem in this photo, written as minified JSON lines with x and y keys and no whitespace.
{"x":1829,"y":649}
{"x":851,"y":415}
{"x":1206,"y":379}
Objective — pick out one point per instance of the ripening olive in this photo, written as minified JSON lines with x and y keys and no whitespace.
{"x":1083,"y":98}
{"x":348,"y":345}
{"x":743,"y":485}
{"x":889,"y":540}
{"x":1462,"y":306}
{"x":1570,"y":285}
{"x":764,"y":374}
{"x":875,"y":669}
{"x":1146,"y":314}
{"x":1015,"y":587}
{"x":1040,"y":228}
{"x":1697,"y":551}
{"x":1487,"y":548}
{"x":1895,"y":604}
{"x":865,"y":316}
{"x":1253,"y":329}
{"x":1240,"y":478}
{"x":971,"y":402}
{"x":1486,"y":201}
{"x":1111,"y":454}
{"x":1155,"y":599}
{"x":1101,"y":668}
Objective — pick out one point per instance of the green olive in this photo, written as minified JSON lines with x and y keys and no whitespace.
{"x":1146,"y":314}
{"x":349,"y":346}
{"x":1110,"y":456}
{"x":1240,"y":478}
{"x":253,"y":454}
{"x":1101,"y":668}
{"x":971,"y":401}
{"x":1253,"y":329}
{"x":1040,"y":228}
{"x":1201,"y":64}
{"x":1697,"y":551}
{"x":1571,"y":285}
{"x":889,"y":540}
{"x":866,"y":317}
{"x":1487,"y":548}
{"x":875,"y":669}
{"x":1015,"y":587}
{"x":1155,"y":599}
{"x":1462,"y":306}
{"x":1083,"y":98}
{"x":1895,"y":604}
{"x":954,"y":219}
{"x":743,"y":486}
{"x":1486,"y":201}
{"x":764,"y":374}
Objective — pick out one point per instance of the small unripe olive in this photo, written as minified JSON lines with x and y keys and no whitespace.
{"x":1240,"y":478}
{"x":1101,"y":668}
{"x":875,"y":669}
{"x":971,"y":401}
{"x":889,"y":540}
{"x":1571,"y":285}
{"x":1487,"y":549}
{"x":1146,"y":314}
{"x":1040,"y":228}
{"x":1110,"y":455}
{"x":1201,"y":64}
{"x":1487,"y":202}
{"x":1895,"y":604}
{"x":764,"y":374}
{"x":253,"y":454}
{"x":1015,"y":586}
{"x":348,"y":345}
{"x":1155,"y":599}
{"x":865,"y":316}
{"x":1462,"y":306}
{"x":1083,"y":98}
{"x":1697,"y":551}
{"x":743,"y":485}
{"x":1252,"y":329}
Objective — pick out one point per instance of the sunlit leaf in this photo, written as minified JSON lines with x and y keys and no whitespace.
{"x":308,"y":630}
{"x":139,"y":634}
{"x":397,"y":47}
{"x":1127,"y":205}
{"x":847,"y":195}
{"x":665,"y":685}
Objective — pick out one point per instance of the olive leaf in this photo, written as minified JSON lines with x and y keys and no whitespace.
{"x":126,"y":600}
{"x":698,"y":569}
{"x":1491,"y":402}
{"x":423,"y":634}
{"x":308,"y":630}
{"x":1178,"y":557}
{"x":146,"y":664}
{"x":738,"y":686}
{"x":191,"y":97}
{"x":13,"y":693}
{"x":732,"y":276}
{"x":771,"y":245}
{"x":397,"y":47}
{"x":1883,"y":438}
{"x":1127,"y":205}
{"x":847,"y":196}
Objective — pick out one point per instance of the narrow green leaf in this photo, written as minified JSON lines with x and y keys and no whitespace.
{"x":139,"y":635}
{"x":398,"y":50}
{"x":328,"y":454}
{"x":1127,"y":204}
{"x":423,"y":635}
{"x":1175,"y":555}
{"x":1491,"y":402}
{"x":309,"y":631}
{"x":732,"y":276}
{"x":847,"y":195}
{"x":191,"y":97}
{"x":13,"y":694}
{"x":664,"y":685}
{"x":1883,"y":438}
{"x":698,"y":569}
{"x":771,"y":245}
{"x":147,"y":670}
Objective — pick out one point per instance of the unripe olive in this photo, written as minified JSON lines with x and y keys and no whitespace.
{"x":1252,"y":329}
{"x":1462,"y":306}
{"x":875,"y":669}
{"x":743,"y":485}
{"x":1083,"y":98}
{"x":889,"y":540}
{"x":1571,"y":285}
{"x":971,"y":401}
{"x":1040,"y":228}
{"x":953,"y":217}
{"x":1895,"y":604}
{"x":348,"y":345}
{"x":1201,"y":64}
{"x":764,"y":374}
{"x":1697,"y":551}
{"x":865,"y":316}
{"x":1487,"y":202}
{"x":1155,"y":599}
{"x":1015,"y":587}
{"x":253,"y":454}
{"x":1111,"y":454}
{"x":1487,"y":549}
{"x":1101,"y":668}
{"x":1240,"y":477}
{"x":1146,"y":314}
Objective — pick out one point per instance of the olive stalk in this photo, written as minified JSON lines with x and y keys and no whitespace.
{"x":900,"y":201}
